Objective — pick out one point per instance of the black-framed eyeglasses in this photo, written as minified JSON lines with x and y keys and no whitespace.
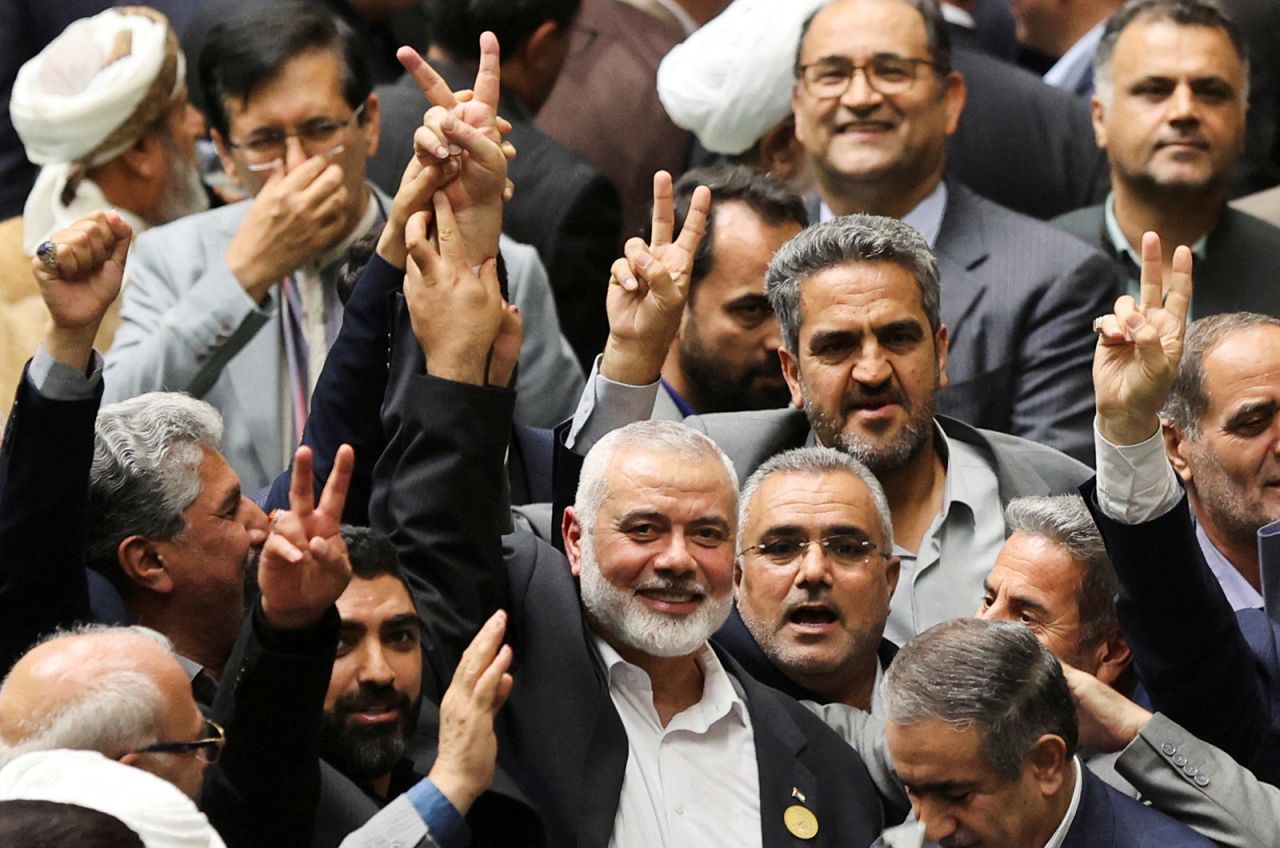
{"x":887,"y":73}
{"x":268,"y":146}
{"x":844,"y":549}
{"x":211,"y":745}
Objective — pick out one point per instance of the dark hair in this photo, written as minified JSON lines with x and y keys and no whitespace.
{"x":990,"y":676}
{"x":248,"y":49}
{"x":1182,"y":12}
{"x":47,"y":824}
{"x":772,"y":200}
{"x":935,"y":28}
{"x":456,"y":25}
{"x":372,"y":554}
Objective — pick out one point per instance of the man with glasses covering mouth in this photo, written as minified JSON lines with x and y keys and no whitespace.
{"x":239,"y":305}
{"x":875,"y":100}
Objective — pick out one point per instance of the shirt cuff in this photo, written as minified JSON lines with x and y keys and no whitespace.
{"x":444,"y":823}
{"x":1136,"y":483}
{"x":605,"y":406}
{"x":57,"y":381}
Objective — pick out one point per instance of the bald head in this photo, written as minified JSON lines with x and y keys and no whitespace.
{"x":111,"y":690}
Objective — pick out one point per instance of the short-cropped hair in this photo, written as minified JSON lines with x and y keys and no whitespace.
{"x":993,"y":677}
{"x":49,"y":824}
{"x":1065,"y":521}
{"x":147,"y":453}
{"x":667,"y":438}
{"x":847,"y":240}
{"x":815,"y":460}
{"x":1188,"y":399}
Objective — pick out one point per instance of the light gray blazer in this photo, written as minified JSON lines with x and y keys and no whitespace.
{"x":188,"y":326}
{"x":1201,"y":786}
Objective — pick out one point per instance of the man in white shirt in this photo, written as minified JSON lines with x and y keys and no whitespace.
{"x":1068,"y":32}
{"x":982,"y":731}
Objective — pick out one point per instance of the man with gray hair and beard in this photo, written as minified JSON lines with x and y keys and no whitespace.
{"x":864,"y":354}
{"x":982,"y":731}
{"x":670,"y":742}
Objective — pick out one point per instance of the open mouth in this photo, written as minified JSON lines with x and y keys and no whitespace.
{"x":812,"y":615}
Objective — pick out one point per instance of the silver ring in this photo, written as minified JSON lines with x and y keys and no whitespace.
{"x":47,"y":253}
{"x":1097,"y":323}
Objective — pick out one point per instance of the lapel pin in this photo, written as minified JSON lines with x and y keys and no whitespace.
{"x":800,"y":821}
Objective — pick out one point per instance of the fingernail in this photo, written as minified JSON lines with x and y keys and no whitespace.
{"x":449,"y":124}
{"x":455,"y":150}
{"x":645,"y":259}
{"x":294,"y":555}
{"x":442,"y":152}
{"x":629,"y":283}
{"x":1134,"y":321}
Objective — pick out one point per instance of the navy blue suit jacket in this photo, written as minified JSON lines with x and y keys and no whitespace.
{"x":1214,"y":671}
{"x":1106,"y":817}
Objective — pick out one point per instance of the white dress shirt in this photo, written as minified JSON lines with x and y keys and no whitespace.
{"x":1077,"y":63}
{"x":695,"y":781}
{"x":1060,"y":835}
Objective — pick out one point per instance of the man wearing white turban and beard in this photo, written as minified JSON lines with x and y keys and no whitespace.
{"x":103,"y":110}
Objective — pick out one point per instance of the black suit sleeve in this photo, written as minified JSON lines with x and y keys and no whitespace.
{"x":44,"y":504}
{"x":264,"y":789}
{"x":439,"y":494}
{"x":348,"y":396}
{"x":1187,"y":646}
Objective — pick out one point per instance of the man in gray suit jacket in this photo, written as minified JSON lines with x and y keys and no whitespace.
{"x":864,"y":355}
{"x":1173,"y":147}
{"x":875,"y":100}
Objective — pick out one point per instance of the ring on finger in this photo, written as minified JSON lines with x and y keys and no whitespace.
{"x":47,"y":253}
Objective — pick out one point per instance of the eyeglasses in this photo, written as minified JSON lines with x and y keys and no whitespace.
{"x":210,"y":745}
{"x":265,"y":149}
{"x":843,"y":549}
{"x":886,"y":73}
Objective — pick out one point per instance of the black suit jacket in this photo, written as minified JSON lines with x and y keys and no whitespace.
{"x":44,"y":503}
{"x":1237,"y":272}
{"x":1215,"y":672}
{"x":1022,"y":143}
{"x":562,"y":206}
{"x":560,"y":737}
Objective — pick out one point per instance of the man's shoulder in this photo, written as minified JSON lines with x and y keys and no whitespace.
{"x":1024,"y":466}
{"x":1085,"y":224}
{"x":213,"y":225}
{"x":750,"y":438}
{"x":1107,"y":817}
{"x":1240,"y":230}
{"x":1011,"y":235}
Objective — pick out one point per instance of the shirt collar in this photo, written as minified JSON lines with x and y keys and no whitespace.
{"x":957,"y":16}
{"x":1060,"y":835}
{"x":372,"y":214}
{"x":721,"y":694}
{"x":1238,"y":591}
{"x":1072,"y":67}
{"x":957,"y":487}
{"x":1121,"y":244}
{"x":925,"y":218}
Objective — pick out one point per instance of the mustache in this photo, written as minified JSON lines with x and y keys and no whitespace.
{"x":672,"y":584}
{"x":859,"y":396}
{"x":372,"y":699}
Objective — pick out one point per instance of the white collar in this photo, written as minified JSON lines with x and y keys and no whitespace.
{"x":1072,"y":66}
{"x":1060,"y":835}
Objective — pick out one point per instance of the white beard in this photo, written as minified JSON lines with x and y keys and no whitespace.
{"x":618,"y":612}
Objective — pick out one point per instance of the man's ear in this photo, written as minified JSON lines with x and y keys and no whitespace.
{"x":143,"y":565}
{"x":228,"y":161}
{"x":954,"y":92}
{"x":1049,"y":762}
{"x":791,"y":373}
{"x":571,"y":532}
{"x":147,"y":158}
{"x":892,"y":570}
{"x":1112,"y":657}
{"x":942,"y":345}
{"x":372,"y":124}
{"x":1178,"y":448}
{"x":1098,"y":114}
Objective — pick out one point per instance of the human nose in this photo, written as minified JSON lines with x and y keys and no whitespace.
{"x":294,"y":153}
{"x":254,"y":519}
{"x":374,"y":668}
{"x":938,"y":822}
{"x":1182,"y":103}
{"x":871,"y":366}
{"x":860,"y":92}
{"x":676,"y":556}
{"x":812,"y":567}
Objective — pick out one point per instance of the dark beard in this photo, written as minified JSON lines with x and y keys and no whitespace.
{"x":366,"y":752}
{"x":882,"y":456}
{"x":726,"y":388}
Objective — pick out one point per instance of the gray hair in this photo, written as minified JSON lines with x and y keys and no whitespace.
{"x":815,"y":460}
{"x":845,"y":240}
{"x":113,"y":714}
{"x":1204,"y":13}
{"x":146,"y":471}
{"x":1189,"y":397}
{"x":671,"y":438}
{"x":1065,"y":521}
{"x":989,"y":676}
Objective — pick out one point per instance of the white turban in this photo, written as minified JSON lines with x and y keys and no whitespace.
{"x":150,"y":806}
{"x":730,"y":81}
{"x":86,"y":98}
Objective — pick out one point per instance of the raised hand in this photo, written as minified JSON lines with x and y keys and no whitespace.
{"x":1139,"y":347}
{"x":467,"y":128}
{"x":1108,"y":720}
{"x":294,"y":217}
{"x":304,"y":567}
{"x":417,"y":185}
{"x":85,"y":264}
{"x":468,"y":749}
{"x":456,"y":310}
{"x":648,"y":288}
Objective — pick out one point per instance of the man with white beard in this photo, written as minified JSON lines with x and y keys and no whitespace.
{"x":103,"y":109}
{"x":627,"y":727}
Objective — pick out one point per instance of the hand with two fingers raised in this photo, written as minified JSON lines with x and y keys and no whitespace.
{"x":649,"y":286}
{"x":304,"y":568}
{"x":1139,"y":347}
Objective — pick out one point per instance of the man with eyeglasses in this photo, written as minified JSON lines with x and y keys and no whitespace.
{"x":238,"y":306}
{"x":875,"y":100}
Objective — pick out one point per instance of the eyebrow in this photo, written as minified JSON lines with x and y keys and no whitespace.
{"x":941,"y":787}
{"x":403,"y":620}
{"x":828,"y":530}
{"x":232,"y":500}
{"x":1250,"y":409}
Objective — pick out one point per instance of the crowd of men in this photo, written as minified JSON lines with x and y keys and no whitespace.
{"x":619,"y":423}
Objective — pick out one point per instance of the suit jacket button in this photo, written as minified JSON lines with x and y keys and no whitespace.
{"x":1201,"y":780}
{"x":1169,"y":749}
{"x":1179,"y":761}
{"x":1191,"y":771}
